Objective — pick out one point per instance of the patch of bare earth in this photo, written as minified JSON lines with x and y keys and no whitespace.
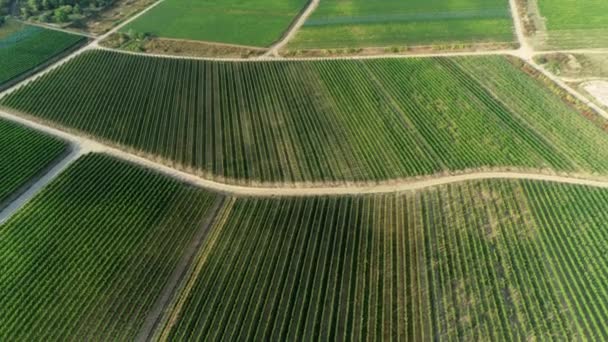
{"x":599,"y":90}
{"x":106,"y":19}
{"x":409,"y":50}
{"x":199,"y":49}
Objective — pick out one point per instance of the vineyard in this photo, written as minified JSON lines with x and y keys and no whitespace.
{"x":323,"y":121}
{"x":25,"y":154}
{"x":88,"y":257}
{"x":28,"y":47}
{"x":361,"y":23}
{"x":572,"y":24}
{"x":250,"y":23}
{"x":481,"y":261}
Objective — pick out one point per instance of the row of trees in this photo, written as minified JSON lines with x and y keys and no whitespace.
{"x":60,"y":11}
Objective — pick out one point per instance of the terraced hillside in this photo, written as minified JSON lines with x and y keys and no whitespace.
{"x":24,"y":47}
{"x":387,"y":23}
{"x":25,"y":154}
{"x":89,"y":256}
{"x":325,"y":121}
{"x":492,"y":260}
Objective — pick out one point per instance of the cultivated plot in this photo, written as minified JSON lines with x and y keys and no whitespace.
{"x":499,"y":260}
{"x":570,"y":24}
{"x":322,"y":121}
{"x":249,"y":23}
{"x":24,"y":47}
{"x":88,"y":257}
{"x":24,"y":154}
{"x":362,"y":23}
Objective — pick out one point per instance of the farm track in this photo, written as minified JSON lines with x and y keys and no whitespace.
{"x":85,"y":145}
{"x":38,"y":184}
{"x":293,"y":29}
{"x":178,"y":275}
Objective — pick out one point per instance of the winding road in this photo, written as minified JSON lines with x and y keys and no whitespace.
{"x":84,"y":145}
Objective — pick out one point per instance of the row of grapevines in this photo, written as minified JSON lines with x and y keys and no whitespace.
{"x":29,"y":51}
{"x":322,"y":121}
{"x":88,"y":257}
{"x":24,"y":154}
{"x":491,"y":260}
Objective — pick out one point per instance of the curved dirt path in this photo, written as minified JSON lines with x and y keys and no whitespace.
{"x":293,"y":29}
{"x":85,"y":145}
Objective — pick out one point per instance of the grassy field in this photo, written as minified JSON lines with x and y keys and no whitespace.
{"x":24,"y":47}
{"x":329,"y":121}
{"x":87,"y":258}
{"x":251,"y":23}
{"x":362,"y":23}
{"x":25,"y":154}
{"x":481,"y":261}
{"x":574,"y":23}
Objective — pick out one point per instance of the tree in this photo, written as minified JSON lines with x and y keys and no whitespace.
{"x":62,"y":14}
{"x":34,"y":5}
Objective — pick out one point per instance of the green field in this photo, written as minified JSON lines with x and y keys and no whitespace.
{"x":24,"y":154}
{"x":480,"y":261}
{"x":329,"y":121}
{"x":250,"y":23}
{"x":573,"y":24}
{"x":364,"y":23}
{"x":87,"y":258}
{"x":24,"y":47}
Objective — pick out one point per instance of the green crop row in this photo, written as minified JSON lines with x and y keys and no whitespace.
{"x":491,"y":260}
{"x":322,"y":121}
{"x":24,"y":154}
{"x":88,"y":257}
{"x":20,"y":53}
{"x":386,"y":23}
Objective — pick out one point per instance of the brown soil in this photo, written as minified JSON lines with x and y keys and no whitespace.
{"x":372,"y":51}
{"x":121,"y":9}
{"x":199,"y":49}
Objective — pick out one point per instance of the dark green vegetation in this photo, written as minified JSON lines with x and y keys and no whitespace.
{"x":24,"y":47}
{"x":252,"y":23}
{"x":481,"y":261}
{"x":329,"y":121}
{"x":87,"y":258}
{"x":24,"y":154}
{"x":364,"y":23}
{"x":574,"y":23}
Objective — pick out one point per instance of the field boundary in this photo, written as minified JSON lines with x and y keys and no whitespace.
{"x":309,"y":190}
{"x":180,"y":274}
{"x":293,"y":28}
{"x":30,"y":190}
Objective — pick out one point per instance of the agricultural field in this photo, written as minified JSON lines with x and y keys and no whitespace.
{"x":25,"y":154}
{"x":573,"y":24}
{"x":247,"y":23}
{"x":324,"y":121}
{"x":88,"y":257}
{"x":24,"y":47}
{"x":478,"y":261}
{"x":387,"y":23}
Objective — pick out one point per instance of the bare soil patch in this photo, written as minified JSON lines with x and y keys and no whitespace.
{"x":599,"y":90}
{"x":106,"y":19}
{"x":397,"y":50}
{"x":178,"y":47}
